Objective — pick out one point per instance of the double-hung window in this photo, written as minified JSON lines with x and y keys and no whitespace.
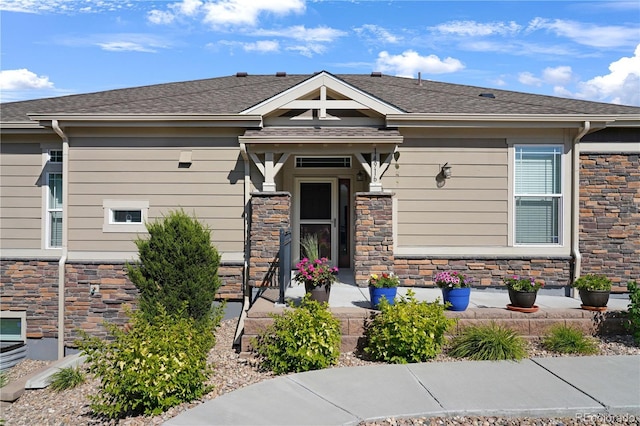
{"x":538,"y":194}
{"x":54,"y":202}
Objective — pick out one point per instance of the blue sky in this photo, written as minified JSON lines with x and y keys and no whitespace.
{"x":586,"y":50}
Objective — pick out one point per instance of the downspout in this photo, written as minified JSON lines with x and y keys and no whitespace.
{"x":246,"y":303}
{"x":63,"y":258}
{"x":575,"y":208}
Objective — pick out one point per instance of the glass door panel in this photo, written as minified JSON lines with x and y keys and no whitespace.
{"x":316,"y":205}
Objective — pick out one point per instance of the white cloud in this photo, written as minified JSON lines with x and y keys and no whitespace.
{"x":262,"y":46}
{"x":23,"y":79}
{"x":246,"y":12}
{"x":160,"y":17}
{"x":477,"y":29}
{"x":300,"y":32}
{"x":410,"y":62}
{"x":621,"y":85}
{"x":222,"y":13}
{"x":589,"y":34}
{"x":558,"y":75}
{"x":377,"y":33}
{"x":309,"y":49}
{"x":529,"y":79}
{"x":125,"y":46}
{"x":63,"y":6}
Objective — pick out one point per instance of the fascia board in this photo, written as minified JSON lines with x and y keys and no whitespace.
{"x":497,"y":120}
{"x":151,"y":120}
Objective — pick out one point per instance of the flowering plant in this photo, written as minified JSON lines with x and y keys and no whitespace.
{"x":452,"y":279}
{"x":383,"y":280}
{"x":527,"y":284}
{"x":316,"y":272}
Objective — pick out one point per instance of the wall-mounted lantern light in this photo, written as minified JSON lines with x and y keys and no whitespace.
{"x":443,"y":175}
{"x":360,"y":176}
{"x":445,"y":171}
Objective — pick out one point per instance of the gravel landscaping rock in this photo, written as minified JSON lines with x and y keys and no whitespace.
{"x":233,"y":371}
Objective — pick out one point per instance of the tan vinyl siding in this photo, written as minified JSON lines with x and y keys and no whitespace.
{"x":21,"y":194}
{"x":469,"y":210}
{"x":211,"y":188}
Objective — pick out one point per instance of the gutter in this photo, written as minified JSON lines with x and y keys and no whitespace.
{"x":575,"y":190}
{"x":65,"y":238}
{"x":246,"y":303}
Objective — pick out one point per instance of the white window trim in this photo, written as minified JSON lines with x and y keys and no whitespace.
{"x":22,"y":316}
{"x":110,"y":205}
{"x":562,"y":196}
{"x":50,"y":210}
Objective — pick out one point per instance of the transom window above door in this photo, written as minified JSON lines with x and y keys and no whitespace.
{"x":323,"y":162}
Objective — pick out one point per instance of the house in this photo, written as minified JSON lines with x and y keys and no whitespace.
{"x":396,"y":174}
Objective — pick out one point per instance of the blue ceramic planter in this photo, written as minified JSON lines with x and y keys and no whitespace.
{"x":458,"y":297}
{"x":375,"y":294}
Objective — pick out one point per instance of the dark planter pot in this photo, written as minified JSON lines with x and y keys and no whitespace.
{"x":522,"y":299}
{"x":320,"y":293}
{"x":457,"y":297}
{"x":594,"y":298}
{"x":375,"y":294}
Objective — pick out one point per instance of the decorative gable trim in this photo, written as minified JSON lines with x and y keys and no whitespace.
{"x":297,"y":97}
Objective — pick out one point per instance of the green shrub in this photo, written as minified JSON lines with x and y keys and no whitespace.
{"x":3,"y":379}
{"x":66,"y":378}
{"x":152,"y":366}
{"x":177,"y":263}
{"x":488,"y":342}
{"x":592,"y":282}
{"x":568,"y":340}
{"x":301,"y":339}
{"x":408,"y":331}
{"x":633,"y":311}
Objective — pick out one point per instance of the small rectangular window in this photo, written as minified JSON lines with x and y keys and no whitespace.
{"x":13,"y":326}
{"x":55,"y":156}
{"x":323,"y":162}
{"x":126,"y":216}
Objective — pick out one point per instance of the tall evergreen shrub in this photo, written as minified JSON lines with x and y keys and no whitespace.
{"x":177,"y":264}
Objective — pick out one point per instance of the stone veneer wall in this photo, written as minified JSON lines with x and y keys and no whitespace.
{"x":610,"y":216}
{"x":373,"y":235}
{"x":32,"y":286}
{"x":270,"y":212}
{"x":419,"y":271}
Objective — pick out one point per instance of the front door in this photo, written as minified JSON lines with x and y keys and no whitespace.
{"x":317,"y":213}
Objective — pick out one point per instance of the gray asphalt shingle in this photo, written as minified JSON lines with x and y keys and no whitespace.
{"x":231,"y":95}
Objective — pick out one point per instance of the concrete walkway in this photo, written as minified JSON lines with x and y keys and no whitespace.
{"x":598,"y":388}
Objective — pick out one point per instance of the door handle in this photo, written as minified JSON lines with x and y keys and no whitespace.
{"x":334,"y":222}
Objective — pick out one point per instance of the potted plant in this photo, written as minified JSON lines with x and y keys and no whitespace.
{"x":522,"y":293}
{"x":594,"y":291}
{"x":381,"y":286}
{"x":316,"y":273}
{"x":455,"y":289}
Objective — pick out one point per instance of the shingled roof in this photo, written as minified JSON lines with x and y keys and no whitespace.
{"x":233,"y":94}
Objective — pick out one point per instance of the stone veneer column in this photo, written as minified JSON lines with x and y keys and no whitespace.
{"x":610,"y":215}
{"x":270,"y":211}
{"x":373,"y":235}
